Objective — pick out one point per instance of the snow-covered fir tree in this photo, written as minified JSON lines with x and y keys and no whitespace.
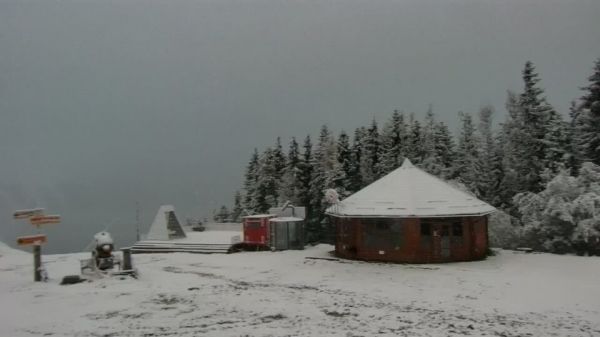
{"x":488,"y":157}
{"x":557,"y":143}
{"x":394,"y":136}
{"x":369,"y":161}
{"x":279,"y":159}
{"x":500,"y":199}
{"x":305,"y":176}
{"x":431,"y":159}
{"x":574,"y":150}
{"x":251,"y":183}
{"x":291,"y":185}
{"x":466,"y":164}
{"x":444,"y":148}
{"x":355,"y":179}
{"x":266,"y":195}
{"x":222,"y":215}
{"x":538,"y":121}
{"x":588,"y":121}
{"x":346,"y":164}
{"x":511,"y":138}
{"x":327,"y":173}
{"x":237,"y":210}
{"x":414,"y":150}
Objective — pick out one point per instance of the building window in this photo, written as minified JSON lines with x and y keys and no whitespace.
{"x":382,"y":225}
{"x":457,"y":232}
{"x":457,"y":229}
{"x":396,"y":234}
{"x":381,"y":233}
{"x":425,"y":229}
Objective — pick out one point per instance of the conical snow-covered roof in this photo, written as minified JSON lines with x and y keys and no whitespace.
{"x":410,"y":192}
{"x":165,"y":225}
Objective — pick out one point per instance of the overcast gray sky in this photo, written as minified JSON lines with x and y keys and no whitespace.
{"x":105,"y":103}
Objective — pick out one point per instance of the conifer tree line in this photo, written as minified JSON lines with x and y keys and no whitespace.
{"x":530,"y":148}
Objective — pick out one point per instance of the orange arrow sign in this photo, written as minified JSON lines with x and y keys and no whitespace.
{"x":44,"y":219}
{"x":31,"y":240}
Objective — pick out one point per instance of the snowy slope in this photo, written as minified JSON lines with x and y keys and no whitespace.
{"x":286,"y":293}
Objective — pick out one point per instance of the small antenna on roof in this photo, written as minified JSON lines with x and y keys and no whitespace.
{"x":288,"y":204}
{"x":331,"y":196}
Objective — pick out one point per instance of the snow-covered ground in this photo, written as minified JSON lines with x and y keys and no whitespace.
{"x":290,"y":294}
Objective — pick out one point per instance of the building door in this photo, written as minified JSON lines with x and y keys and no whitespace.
{"x":346,"y":237}
{"x":445,"y":242}
{"x":441,"y":241}
{"x":282,"y":235}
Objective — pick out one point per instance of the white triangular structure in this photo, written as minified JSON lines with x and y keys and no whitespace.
{"x":165,"y":225}
{"x":409,"y":192}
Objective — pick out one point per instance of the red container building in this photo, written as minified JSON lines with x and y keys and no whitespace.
{"x":411,"y":216}
{"x":281,"y":229}
{"x":256,"y":229}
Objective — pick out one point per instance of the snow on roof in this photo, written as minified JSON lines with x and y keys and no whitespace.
{"x":409,"y":192}
{"x":165,"y":225}
{"x":287,"y":219}
{"x":258,"y":216}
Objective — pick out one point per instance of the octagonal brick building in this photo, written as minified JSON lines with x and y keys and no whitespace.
{"x":411,"y":216}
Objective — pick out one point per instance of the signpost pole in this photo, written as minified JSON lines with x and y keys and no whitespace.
{"x":36,"y":217}
{"x":37,"y":262}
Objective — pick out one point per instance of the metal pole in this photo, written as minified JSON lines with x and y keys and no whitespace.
{"x":126,"y":259}
{"x":37,"y":263}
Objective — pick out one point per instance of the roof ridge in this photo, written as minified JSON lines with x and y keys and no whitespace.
{"x":410,"y":191}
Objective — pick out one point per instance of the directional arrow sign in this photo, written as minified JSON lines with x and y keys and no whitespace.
{"x":27,"y":213}
{"x":44,"y":219}
{"x":31,"y":240}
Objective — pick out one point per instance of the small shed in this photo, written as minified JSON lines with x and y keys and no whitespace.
{"x":286,"y":233}
{"x":411,"y":216}
{"x":281,"y":229}
{"x":287,"y":228}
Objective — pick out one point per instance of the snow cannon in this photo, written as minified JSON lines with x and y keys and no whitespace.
{"x":105,"y":261}
{"x":102,"y":254}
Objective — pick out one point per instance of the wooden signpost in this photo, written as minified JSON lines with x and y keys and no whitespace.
{"x":36,"y":217}
{"x":31,"y":240}
{"x":44,"y":219}
{"x":36,"y":241}
{"x":27,"y":213}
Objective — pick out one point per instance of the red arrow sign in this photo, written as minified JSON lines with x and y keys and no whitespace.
{"x":44,"y":219}
{"x":31,"y":240}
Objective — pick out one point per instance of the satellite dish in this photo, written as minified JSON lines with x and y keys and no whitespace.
{"x":332,"y":196}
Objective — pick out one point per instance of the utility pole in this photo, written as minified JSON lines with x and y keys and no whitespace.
{"x":137,"y":221}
